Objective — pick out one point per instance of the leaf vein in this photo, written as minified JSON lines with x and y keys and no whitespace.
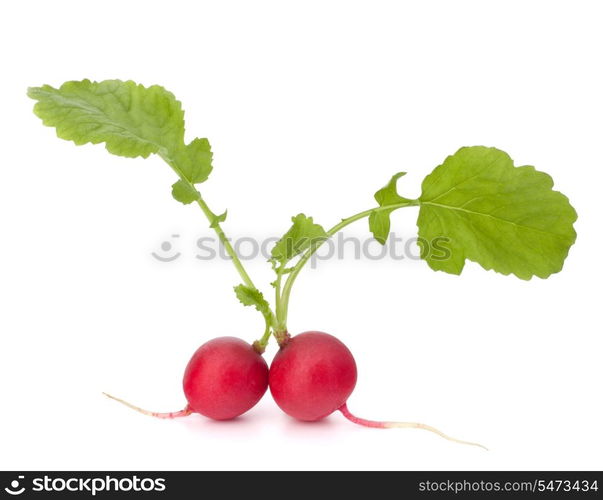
{"x":471,"y":212}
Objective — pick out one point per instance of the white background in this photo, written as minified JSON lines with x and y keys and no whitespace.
{"x":309,"y":106}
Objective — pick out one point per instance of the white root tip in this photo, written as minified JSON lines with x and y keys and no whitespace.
{"x":182,"y":413}
{"x":417,"y":425}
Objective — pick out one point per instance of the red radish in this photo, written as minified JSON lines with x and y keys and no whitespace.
{"x":225,"y":378}
{"x":314,"y":373}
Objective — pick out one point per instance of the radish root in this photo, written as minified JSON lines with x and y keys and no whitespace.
{"x":403,"y":425}
{"x":173,"y":414}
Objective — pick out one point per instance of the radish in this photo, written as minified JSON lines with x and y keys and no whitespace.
{"x":477,"y":205}
{"x":314,"y":374}
{"x":225,"y":378}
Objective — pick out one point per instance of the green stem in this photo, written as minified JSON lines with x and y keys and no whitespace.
{"x":277,"y":297}
{"x":283,"y":308}
{"x":215,"y":225}
{"x":259,"y":345}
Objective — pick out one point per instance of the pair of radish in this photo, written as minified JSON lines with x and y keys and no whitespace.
{"x":478,"y":204}
{"x":311,"y":376}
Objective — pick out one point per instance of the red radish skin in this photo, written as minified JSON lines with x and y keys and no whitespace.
{"x":314,"y":373}
{"x":225,"y":378}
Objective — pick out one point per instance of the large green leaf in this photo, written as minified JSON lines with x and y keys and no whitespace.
{"x":503,"y":217}
{"x":132,"y":120}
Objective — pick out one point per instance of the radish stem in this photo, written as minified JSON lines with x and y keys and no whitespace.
{"x":283,"y":304}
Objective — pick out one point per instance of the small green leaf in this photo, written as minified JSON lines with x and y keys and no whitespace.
{"x":252,"y":297}
{"x":302,"y":235}
{"x":379,"y":222}
{"x":194,"y":161}
{"x":132,"y":120}
{"x":388,"y":195}
{"x":216,"y":219}
{"x":183,"y":192}
{"x":503,"y":217}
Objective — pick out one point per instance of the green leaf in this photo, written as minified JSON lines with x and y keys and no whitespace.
{"x":184,"y":192}
{"x":503,"y":217}
{"x":253,"y":297}
{"x":379,"y":224}
{"x":132,"y":120}
{"x":379,"y":221}
{"x":194,"y":161}
{"x":388,"y":195}
{"x":216,"y":219}
{"x":302,"y":235}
